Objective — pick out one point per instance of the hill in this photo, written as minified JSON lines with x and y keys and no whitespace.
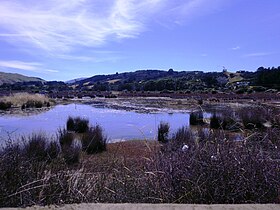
{"x":154,"y":80}
{"x":263,"y":79}
{"x":11,"y":78}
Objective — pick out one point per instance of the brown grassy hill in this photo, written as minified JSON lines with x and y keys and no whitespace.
{"x":11,"y":78}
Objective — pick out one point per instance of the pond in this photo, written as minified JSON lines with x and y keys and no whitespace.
{"x":118,"y":125}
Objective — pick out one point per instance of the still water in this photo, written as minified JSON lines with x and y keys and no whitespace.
{"x":118,"y":125}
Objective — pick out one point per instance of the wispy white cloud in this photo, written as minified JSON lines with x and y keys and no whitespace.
{"x":187,"y":10}
{"x":65,"y":24}
{"x":236,"y":48}
{"x":258,"y":54}
{"x":26,"y":66}
{"x":62,"y":26}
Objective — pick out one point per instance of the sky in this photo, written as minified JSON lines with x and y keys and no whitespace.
{"x":68,"y":39}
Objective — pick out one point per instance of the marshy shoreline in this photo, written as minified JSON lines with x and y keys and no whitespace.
{"x":202,"y":163}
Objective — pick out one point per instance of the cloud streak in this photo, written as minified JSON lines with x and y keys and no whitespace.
{"x":236,"y":48}
{"x":64,"y":25}
{"x":188,"y":10}
{"x":26,"y":66}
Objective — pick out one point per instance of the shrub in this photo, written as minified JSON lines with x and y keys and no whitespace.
{"x":183,"y":136}
{"x":163,"y":131}
{"x":224,"y":120}
{"x":200,"y":101}
{"x":196,"y":118}
{"x":219,"y":171}
{"x":79,"y":125}
{"x":65,"y":138}
{"x":94,"y":141}
{"x":53,"y":150}
{"x":70,"y":124}
{"x":29,"y":104}
{"x":14,"y":172}
{"x":252,"y":117}
{"x":38,"y":104}
{"x":38,"y":147}
{"x":71,"y":154}
{"x":5,"y":105}
{"x":35,"y":147}
{"x":215,"y":121}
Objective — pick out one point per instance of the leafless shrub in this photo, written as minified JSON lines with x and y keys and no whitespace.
{"x":219,"y":171}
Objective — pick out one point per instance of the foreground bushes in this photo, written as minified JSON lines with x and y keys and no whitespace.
{"x":202,"y":166}
{"x":216,"y":169}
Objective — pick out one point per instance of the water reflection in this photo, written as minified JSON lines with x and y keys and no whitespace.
{"x":117,"y":124}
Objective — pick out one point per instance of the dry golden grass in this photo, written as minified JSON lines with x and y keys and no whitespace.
{"x":18,"y":99}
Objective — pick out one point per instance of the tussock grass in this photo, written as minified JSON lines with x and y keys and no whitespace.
{"x":5,"y":105}
{"x":163,"y":131}
{"x":77,"y":124}
{"x":196,"y":118}
{"x":27,"y":99}
{"x":94,"y":140}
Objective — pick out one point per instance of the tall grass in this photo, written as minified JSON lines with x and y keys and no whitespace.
{"x":214,"y":169}
{"x":19,"y":99}
{"x":253,"y":118}
{"x":70,"y":151}
{"x":163,"y":131}
{"x":225,"y":120}
{"x":220,"y":171}
{"x":94,"y":141}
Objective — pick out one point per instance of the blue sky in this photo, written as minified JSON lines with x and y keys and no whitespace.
{"x":66,"y":39}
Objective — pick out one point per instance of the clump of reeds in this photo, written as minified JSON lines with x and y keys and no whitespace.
{"x":5,"y":105}
{"x":163,"y":131}
{"x":224,"y":120}
{"x":70,"y":152}
{"x":94,"y":140}
{"x":196,"y":118}
{"x":77,"y":124}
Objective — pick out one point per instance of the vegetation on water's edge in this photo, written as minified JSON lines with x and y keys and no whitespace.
{"x":190,"y":166}
{"x":24,"y":101}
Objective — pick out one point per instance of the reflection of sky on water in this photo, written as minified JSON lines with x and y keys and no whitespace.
{"x":117,"y":124}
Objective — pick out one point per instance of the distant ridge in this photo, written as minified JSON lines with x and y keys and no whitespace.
{"x":11,"y":78}
{"x":75,"y":80}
